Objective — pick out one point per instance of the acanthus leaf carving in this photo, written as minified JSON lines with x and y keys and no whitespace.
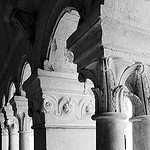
{"x":137,"y":103}
{"x":120,"y":93}
{"x":142,"y":87}
{"x":101,"y":73}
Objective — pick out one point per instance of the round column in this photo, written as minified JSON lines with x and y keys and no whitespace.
{"x":13,"y":135}
{"x":5,"y":139}
{"x":141,"y":132}
{"x":13,"y":141}
{"x":24,"y":140}
{"x":110,"y":131}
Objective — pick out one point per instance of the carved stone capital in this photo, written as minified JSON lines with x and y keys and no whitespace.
{"x":4,"y":129}
{"x":11,"y":120}
{"x":20,"y":105}
{"x":102,"y":75}
{"x":2,"y":119}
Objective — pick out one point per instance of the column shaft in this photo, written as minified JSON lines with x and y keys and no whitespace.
{"x":13,"y":141}
{"x":141,"y":132}
{"x":24,"y":138}
{"x":110,"y":131}
{"x":5,"y":139}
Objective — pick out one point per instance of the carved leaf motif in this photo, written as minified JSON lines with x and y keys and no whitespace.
{"x":112,"y":87}
{"x":146,"y":90}
{"x":142,"y":88}
{"x":137,"y":104}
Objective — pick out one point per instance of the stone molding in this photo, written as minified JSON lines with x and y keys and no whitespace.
{"x":62,"y":109}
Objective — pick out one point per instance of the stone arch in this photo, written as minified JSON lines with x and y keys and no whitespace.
{"x":51,"y":12}
{"x":58,"y":57}
{"x":22,"y":68}
{"x":3,"y":100}
{"x":25,"y":74}
{"x":11,"y":89}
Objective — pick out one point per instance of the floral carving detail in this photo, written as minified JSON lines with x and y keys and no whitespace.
{"x":89,"y":109}
{"x":86,"y":107}
{"x":49,"y":102}
{"x":67,"y":107}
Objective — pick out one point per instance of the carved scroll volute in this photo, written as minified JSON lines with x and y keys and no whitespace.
{"x":102,"y":75}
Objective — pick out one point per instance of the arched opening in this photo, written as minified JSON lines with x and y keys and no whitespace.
{"x":74,"y":100}
{"x":11,"y":91}
{"x":60,"y":59}
{"x":25,"y":74}
{"x":3,"y":101}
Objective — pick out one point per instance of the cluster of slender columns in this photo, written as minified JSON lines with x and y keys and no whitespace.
{"x":16,"y":128}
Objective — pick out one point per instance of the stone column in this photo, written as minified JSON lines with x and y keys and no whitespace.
{"x":93,"y":63}
{"x":4,"y":133}
{"x":12,"y":124}
{"x":141,"y":132}
{"x":5,"y":138}
{"x":21,"y":104}
{"x":110,"y":131}
{"x":13,"y":135}
{"x":24,"y":137}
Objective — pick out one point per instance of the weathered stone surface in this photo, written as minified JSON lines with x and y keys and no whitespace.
{"x":141,"y":132}
{"x":110,"y":131}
